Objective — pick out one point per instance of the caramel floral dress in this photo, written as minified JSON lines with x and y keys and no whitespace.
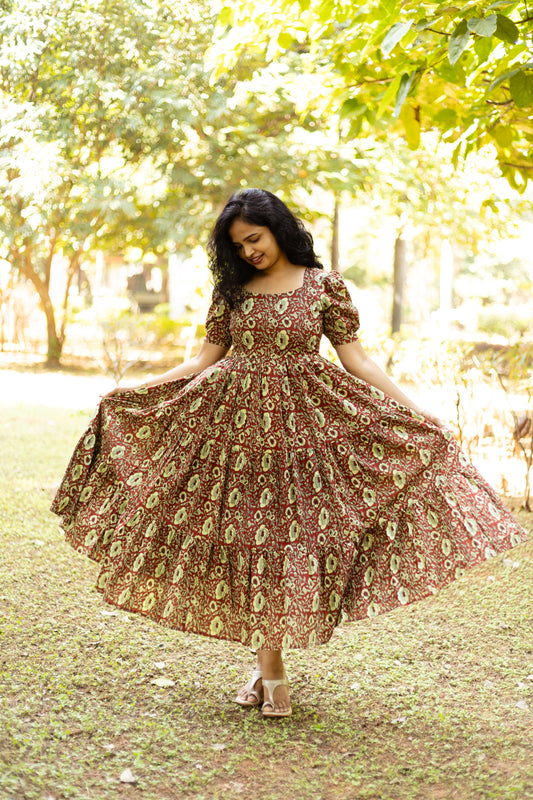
{"x":273,"y":495}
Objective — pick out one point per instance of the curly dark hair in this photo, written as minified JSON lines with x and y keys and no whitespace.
{"x":258,"y":207}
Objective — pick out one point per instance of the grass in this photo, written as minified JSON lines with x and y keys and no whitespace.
{"x":433,"y":701}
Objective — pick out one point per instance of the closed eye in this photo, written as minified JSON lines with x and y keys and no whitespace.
{"x":252,"y":241}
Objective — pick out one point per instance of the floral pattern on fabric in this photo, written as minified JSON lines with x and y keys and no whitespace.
{"x":272,"y":495}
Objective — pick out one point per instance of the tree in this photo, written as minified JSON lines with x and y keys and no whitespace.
{"x":464,"y":69}
{"x":89,"y":91}
{"x":113,"y":136}
{"x":424,"y":203}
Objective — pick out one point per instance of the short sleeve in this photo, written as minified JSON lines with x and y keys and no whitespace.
{"x":340,"y":316}
{"x":217,"y":330}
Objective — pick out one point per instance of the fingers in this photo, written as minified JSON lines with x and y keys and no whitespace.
{"x":117,"y":390}
{"x":434,"y":419}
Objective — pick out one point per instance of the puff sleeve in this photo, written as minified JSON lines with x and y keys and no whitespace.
{"x":340,"y":317}
{"x":217,"y":323}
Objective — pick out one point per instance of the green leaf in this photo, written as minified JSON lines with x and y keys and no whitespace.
{"x":423,"y":23}
{"x":390,"y":93}
{"x":388,"y":6}
{"x":403,"y":91}
{"x":455,"y":75}
{"x":503,"y":135}
{"x":285,"y":40}
{"x":352,"y":107}
{"x":501,"y":4}
{"x":458,"y":41}
{"x":483,"y":26}
{"x":517,"y":178}
{"x":356,"y":126}
{"x":521,"y":86}
{"x":394,"y":35}
{"x":456,"y":154}
{"x":483,"y":48}
{"x":326,"y":11}
{"x":506,"y":30}
{"x":501,"y":78}
{"x":411,"y":124}
{"x":225,"y":16}
{"x":446,"y":118}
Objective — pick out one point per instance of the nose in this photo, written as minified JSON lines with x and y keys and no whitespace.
{"x":248,"y":249}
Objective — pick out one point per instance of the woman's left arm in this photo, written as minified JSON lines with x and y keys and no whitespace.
{"x":354,"y":360}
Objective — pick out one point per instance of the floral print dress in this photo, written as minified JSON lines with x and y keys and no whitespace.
{"x":272,"y":495}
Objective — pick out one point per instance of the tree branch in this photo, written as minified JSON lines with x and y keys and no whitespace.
{"x":50,"y":256}
{"x":517,"y":166}
{"x":24,"y":262}
{"x":71,"y":271}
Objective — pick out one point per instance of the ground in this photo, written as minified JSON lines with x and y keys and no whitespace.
{"x":430,"y":702}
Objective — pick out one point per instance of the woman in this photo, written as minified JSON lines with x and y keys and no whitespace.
{"x":264,"y":496}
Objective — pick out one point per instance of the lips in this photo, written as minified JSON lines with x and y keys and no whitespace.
{"x":256,"y":260}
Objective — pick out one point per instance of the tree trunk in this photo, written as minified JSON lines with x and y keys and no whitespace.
{"x":335,"y":235}
{"x":55,"y":343}
{"x":54,"y":340}
{"x":400,"y":274}
{"x":73,"y":267}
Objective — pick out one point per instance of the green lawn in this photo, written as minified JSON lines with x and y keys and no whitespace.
{"x":433,"y":701}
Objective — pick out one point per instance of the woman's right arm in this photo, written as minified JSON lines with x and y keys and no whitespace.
{"x":207,"y":355}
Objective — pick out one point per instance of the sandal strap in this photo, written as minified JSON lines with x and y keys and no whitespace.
{"x":271,"y":687}
{"x":256,"y":676}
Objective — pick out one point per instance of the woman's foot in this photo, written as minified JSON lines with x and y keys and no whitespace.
{"x":251,"y":694}
{"x":276,"y":700}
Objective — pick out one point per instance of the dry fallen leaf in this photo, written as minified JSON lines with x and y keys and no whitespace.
{"x":127,"y":776}
{"x":163,"y":682}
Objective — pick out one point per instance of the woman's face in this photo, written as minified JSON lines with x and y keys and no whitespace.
{"x":256,"y":244}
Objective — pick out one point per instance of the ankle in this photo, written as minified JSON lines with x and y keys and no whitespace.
{"x":271,"y":664}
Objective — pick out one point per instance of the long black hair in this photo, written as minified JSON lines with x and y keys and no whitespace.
{"x":258,"y":207}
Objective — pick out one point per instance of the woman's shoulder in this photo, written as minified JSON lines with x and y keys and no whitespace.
{"x":326,"y":280}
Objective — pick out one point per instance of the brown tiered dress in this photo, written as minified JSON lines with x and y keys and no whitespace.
{"x":273,"y":494}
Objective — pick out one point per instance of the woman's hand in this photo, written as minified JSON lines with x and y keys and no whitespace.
{"x":355,"y":360}
{"x":432,"y":418}
{"x":119,"y":390}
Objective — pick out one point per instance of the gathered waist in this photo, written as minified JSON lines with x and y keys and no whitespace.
{"x":274,"y":364}
{"x":268,"y":356}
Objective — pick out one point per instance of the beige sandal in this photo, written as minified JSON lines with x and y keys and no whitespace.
{"x":270,"y":687}
{"x":257,"y":693}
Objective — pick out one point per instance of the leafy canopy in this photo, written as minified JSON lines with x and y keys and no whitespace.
{"x":465,"y":70}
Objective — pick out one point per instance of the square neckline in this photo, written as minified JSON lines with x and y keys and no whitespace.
{"x":281,"y":294}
